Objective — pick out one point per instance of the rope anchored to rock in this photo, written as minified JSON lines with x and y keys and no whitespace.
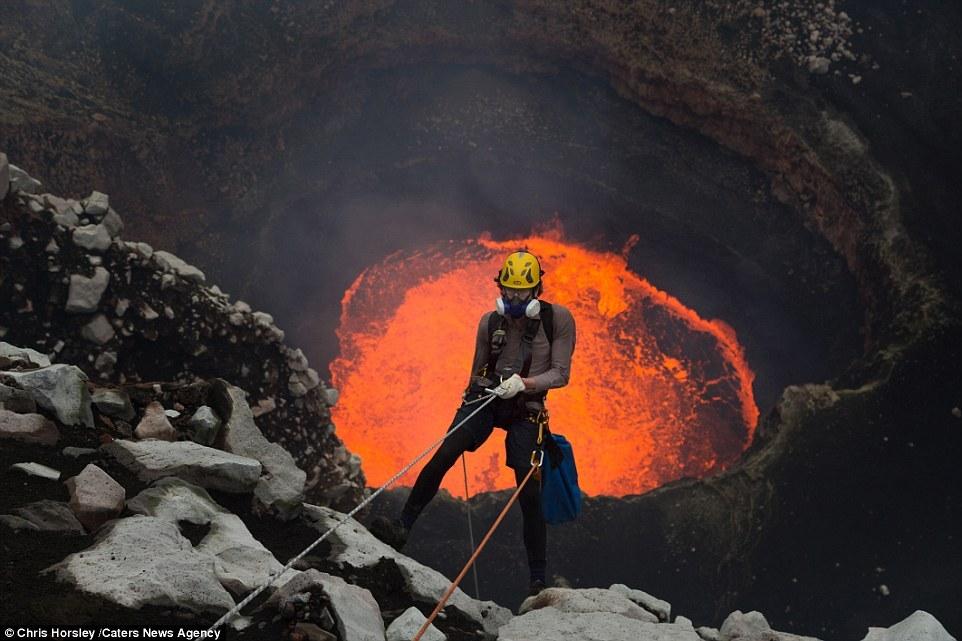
{"x":484,"y":541}
{"x":274,"y":575}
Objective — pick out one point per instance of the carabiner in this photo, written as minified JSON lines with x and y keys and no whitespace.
{"x":539,"y":453}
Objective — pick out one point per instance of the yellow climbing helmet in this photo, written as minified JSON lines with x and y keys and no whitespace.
{"x":521,"y":270}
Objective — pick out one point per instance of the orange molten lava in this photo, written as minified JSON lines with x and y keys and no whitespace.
{"x":656,"y":392}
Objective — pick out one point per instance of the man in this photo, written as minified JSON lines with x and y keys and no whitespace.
{"x":512,"y":347}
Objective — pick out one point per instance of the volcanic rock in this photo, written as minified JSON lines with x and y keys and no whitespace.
{"x":24,"y":355}
{"x":17,"y":400}
{"x":918,"y":626}
{"x":96,"y":204}
{"x":85,"y":292}
{"x":50,"y":516}
{"x":587,"y":600}
{"x":658,"y":607}
{"x":113,"y":402}
{"x":98,"y":330}
{"x":28,"y":428}
{"x":60,"y":388}
{"x":282,"y":486}
{"x":36,"y":469}
{"x":206,"y":425}
{"x":407,"y":625}
{"x":354,"y":547}
{"x":170,"y":262}
{"x":95,"y":497}
{"x":202,"y":333}
{"x":548,"y":624}
{"x":241,"y":563}
{"x":113,"y":223}
{"x":356,"y":612}
{"x":21,"y":181}
{"x":752,"y":626}
{"x":93,"y":237}
{"x":205,"y":466}
{"x":154,"y":424}
{"x":142,"y":560}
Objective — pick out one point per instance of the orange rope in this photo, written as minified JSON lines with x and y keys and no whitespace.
{"x":464,"y":570}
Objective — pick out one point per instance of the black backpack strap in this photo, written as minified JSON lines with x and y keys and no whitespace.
{"x":530,"y":331}
{"x":496,"y":324}
{"x":547,"y":321}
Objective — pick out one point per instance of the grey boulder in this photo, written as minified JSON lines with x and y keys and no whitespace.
{"x":282,"y":487}
{"x":205,"y":425}
{"x":141,"y":561}
{"x":658,"y":607}
{"x":113,"y":402}
{"x":204,"y":466}
{"x":353,"y":546}
{"x":154,"y":424}
{"x":21,"y":181}
{"x":24,"y":354}
{"x":85,"y":292}
{"x":918,"y":626}
{"x":548,"y":624}
{"x":241,"y":563}
{"x":170,"y":262}
{"x":407,"y":625}
{"x":61,"y":389}
{"x":357,"y":614}
{"x":49,"y":516}
{"x":752,"y":626}
{"x":93,"y":237}
{"x":95,"y":497}
{"x":587,"y":600}
{"x":28,"y":428}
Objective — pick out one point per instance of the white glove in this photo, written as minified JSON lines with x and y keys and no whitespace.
{"x":509,"y":387}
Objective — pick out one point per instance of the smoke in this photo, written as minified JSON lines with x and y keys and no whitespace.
{"x":419,"y":155}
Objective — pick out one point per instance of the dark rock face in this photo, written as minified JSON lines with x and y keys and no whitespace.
{"x":855,"y":231}
{"x":166,"y":332}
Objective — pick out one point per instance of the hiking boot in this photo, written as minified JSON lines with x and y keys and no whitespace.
{"x":535,"y":587}
{"x":391,"y":532}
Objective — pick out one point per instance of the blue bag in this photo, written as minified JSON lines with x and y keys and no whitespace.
{"x":560,"y":494}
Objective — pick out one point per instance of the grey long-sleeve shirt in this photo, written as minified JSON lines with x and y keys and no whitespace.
{"x":550,"y":365}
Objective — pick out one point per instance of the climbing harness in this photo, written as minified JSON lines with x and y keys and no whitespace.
{"x":454,"y":584}
{"x":277,"y":573}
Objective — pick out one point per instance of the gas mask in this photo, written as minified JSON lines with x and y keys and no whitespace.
{"x":517,"y":303}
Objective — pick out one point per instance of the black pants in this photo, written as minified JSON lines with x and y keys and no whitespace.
{"x":520,"y":440}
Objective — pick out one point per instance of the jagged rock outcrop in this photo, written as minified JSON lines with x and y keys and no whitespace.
{"x":356,"y":548}
{"x":205,"y":466}
{"x":125,"y":312}
{"x":158,"y":567}
{"x":281,"y":486}
{"x":241,"y":563}
{"x":357,"y":614}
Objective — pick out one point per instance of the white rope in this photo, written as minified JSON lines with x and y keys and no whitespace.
{"x":467,"y":504}
{"x":274,"y":575}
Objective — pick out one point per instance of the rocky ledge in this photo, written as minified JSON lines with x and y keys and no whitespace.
{"x":130,"y":315}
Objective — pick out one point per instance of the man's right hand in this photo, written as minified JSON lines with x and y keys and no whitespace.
{"x":509,"y":387}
